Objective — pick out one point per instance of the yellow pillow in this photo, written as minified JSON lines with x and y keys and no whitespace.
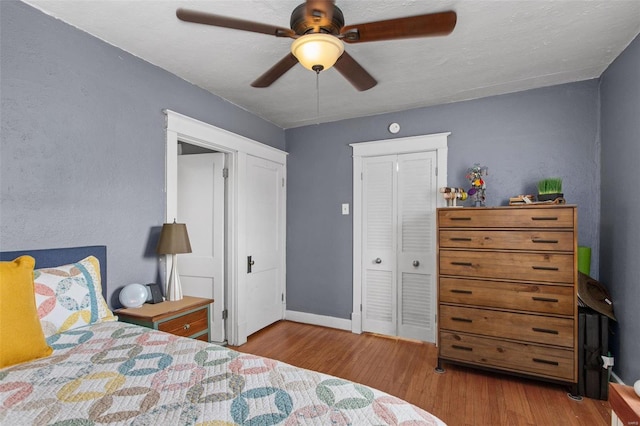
{"x":21,"y":336}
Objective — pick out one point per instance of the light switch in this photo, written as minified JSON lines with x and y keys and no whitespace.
{"x":345,"y":208}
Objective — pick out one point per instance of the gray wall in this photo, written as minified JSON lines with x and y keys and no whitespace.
{"x":82,"y":161}
{"x":82,"y":141}
{"x":620,"y":205}
{"x":521,"y":137}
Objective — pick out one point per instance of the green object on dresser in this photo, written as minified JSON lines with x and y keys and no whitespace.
{"x":584,"y":259}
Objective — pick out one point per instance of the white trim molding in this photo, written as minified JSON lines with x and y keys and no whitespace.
{"x":180,"y":128}
{"x":434,"y":142}
{"x":321,"y":320}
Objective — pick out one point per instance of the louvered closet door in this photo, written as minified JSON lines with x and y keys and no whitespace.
{"x":398,"y":268}
{"x":416,"y":245}
{"x":379,"y":245}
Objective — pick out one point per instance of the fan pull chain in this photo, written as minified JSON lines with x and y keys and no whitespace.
{"x":318,"y":96}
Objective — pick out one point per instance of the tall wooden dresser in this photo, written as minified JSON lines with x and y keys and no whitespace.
{"x":507,"y":290}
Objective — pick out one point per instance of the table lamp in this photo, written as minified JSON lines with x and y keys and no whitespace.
{"x":174,"y":239}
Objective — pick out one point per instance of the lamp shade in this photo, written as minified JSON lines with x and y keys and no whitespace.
{"x":316,"y":49}
{"x":174,"y":239}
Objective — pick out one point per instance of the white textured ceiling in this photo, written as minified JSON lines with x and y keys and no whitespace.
{"x":498,"y":46}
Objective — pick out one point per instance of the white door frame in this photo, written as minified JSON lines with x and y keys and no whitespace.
{"x":180,"y":128}
{"x":434,"y":142}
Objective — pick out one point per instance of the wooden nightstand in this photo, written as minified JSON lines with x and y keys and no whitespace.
{"x":188,"y":317}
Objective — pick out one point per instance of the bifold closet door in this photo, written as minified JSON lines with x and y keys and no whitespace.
{"x":379,"y":245}
{"x":399,"y":202}
{"x":416,"y":249}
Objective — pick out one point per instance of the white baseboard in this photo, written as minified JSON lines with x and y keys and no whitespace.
{"x":322,"y":320}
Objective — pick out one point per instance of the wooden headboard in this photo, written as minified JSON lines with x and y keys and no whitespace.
{"x":48,"y":258}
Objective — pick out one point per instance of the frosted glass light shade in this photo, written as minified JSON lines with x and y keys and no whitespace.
{"x":317,"y":49}
{"x":133,"y":295}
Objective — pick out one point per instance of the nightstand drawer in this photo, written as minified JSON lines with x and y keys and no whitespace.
{"x":513,"y":240}
{"x":186,"y":325}
{"x":506,"y":218}
{"x":509,"y":325}
{"x":543,"y":298}
{"x":512,"y":356}
{"x":546,"y":267}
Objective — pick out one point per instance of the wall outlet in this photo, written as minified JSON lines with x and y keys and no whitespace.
{"x":345,"y":208}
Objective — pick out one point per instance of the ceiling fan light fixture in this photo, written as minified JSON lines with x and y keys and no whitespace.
{"x":317,"y":51}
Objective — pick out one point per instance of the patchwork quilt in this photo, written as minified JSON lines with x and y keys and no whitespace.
{"x":114,"y":373}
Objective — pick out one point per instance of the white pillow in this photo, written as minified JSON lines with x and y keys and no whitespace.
{"x":70,"y":296}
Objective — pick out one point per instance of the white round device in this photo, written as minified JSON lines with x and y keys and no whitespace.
{"x":133,"y":295}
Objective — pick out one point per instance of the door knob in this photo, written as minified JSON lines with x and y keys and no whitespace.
{"x":416,"y":263}
{"x":378,"y":260}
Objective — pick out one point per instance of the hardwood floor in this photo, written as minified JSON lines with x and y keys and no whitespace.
{"x":460,"y":396}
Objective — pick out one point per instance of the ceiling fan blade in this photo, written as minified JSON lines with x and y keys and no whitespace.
{"x":276,"y":71}
{"x":433,"y":24}
{"x":354,"y":73}
{"x":197,"y":17}
{"x":320,"y":12}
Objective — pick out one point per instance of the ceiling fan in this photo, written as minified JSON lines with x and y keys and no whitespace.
{"x":318,"y":30}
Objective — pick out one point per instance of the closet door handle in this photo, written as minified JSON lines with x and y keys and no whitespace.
{"x":378,"y":260}
{"x":416,"y":263}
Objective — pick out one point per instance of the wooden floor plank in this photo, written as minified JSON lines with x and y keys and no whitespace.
{"x":403,"y":368}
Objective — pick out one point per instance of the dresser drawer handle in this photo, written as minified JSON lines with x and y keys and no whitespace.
{"x":544,"y":299}
{"x":544,"y":218}
{"x":544,"y":361}
{"x":455,"y":290}
{"x":537,"y":240}
{"x":545,"y":268}
{"x":460,"y":239}
{"x":460,"y":218}
{"x":461,"y":319}
{"x":545,"y":330}
{"x":462,"y":263}
{"x":186,"y":326}
{"x":462,"y":348}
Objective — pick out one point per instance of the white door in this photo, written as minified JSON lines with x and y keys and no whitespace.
{"x":417,"y":192}
{"x":379,"y":245}
{"x":399,"y":201}
{"x":201,"y":206}
{"x":265,"y":243}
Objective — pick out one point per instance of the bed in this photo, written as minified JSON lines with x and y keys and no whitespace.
{"x":107,"y":372}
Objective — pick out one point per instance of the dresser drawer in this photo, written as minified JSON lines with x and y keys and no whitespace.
{"x":545,"y":267}
{"x":512,"y":217}
{"x":541,"y":298}
{"x":510,"y":240}
{"x":186,"y":325}
{"x":509,"y":325}
{"x":518,"y":357}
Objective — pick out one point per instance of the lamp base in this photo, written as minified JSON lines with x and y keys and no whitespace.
{"x":174,"y":288}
